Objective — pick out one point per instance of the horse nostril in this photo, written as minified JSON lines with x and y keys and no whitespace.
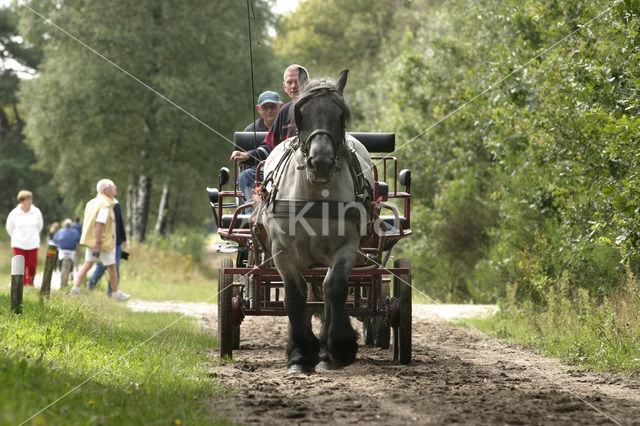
{"x":310,"y":163}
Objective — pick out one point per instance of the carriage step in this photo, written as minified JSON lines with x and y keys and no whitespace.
{"x":313,"y":306}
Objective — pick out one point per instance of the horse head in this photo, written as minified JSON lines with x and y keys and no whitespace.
{"x":321,"y":115}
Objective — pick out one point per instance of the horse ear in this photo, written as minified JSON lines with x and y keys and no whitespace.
{"x":342,"y":80}
{"x":303,"y":77}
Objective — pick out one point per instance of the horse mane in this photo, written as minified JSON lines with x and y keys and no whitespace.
{"x":329,"y":85}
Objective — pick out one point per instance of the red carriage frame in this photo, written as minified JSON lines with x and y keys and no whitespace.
{"x":254,"y":288}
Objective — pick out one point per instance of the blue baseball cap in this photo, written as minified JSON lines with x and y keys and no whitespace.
{"x":268,"y":97}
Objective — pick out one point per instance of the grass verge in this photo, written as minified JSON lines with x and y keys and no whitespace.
{"x":602,"y":335}
{"x":57,"y":344}
{"x":154,"y":273}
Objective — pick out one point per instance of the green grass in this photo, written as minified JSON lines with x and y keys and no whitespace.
{"x":162,"y":274}
{"x":57,"y":344}
{"x":159,"y":270}
{"x":602,"y":335}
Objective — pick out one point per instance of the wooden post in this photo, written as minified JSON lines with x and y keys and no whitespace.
{"x":17,"y":282}
{"x":65,"y":266}
{"x":49,"y":265}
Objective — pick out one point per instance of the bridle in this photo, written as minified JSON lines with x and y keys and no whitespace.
{"x":362,"y":188}
{"x":304,"y":140}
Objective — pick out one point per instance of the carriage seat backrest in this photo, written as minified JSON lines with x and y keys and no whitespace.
{"x":374,"y":142}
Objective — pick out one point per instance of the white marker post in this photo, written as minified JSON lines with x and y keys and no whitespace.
{"x":17,"y":281}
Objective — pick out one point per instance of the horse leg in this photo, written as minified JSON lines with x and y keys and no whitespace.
{"x":338,"y":339}
{"x":302,"y":349}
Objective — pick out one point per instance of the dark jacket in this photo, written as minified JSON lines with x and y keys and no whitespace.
{"x":121,"y":235}
{"x":257,"y":125}
{"x":282,"y":129}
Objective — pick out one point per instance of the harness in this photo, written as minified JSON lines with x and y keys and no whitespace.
{"x":317,"y":208}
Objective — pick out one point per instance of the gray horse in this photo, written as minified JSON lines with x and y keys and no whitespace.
{"x":316,"y":192}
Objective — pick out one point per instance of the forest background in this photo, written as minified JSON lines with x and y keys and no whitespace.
{"x":519,"y":119}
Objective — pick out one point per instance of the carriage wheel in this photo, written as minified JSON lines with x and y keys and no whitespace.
{"x":236,"y":303}
{"x":376,"y":330}
{"x":368,"y":333}
{"x":225,"y":294}
{"x":402,"y":332}
{"x":65,"y":271}
{"x":383,"y":331}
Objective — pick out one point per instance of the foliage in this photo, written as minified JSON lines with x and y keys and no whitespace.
{"x":16,"y":158}
{"x":168,"y":268}
{"x":124,"y":375}
{"x":87,"y":118}
{"x":328,"y":36}
{"x":310,"y":34}
{"x":571,"y":325}
{"x":520,"y":124}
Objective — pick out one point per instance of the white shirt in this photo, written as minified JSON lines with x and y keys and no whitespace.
{"x":24,"y":227}
{"x":103,"y":215}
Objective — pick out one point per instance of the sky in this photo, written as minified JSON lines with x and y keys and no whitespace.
{"x":282,"y":6}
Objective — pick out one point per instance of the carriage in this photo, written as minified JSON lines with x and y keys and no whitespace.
{"x":378,"y":295}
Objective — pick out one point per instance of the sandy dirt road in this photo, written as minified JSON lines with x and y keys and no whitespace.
{"x":458,"y":376}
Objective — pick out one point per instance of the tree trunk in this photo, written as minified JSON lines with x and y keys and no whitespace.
{"x":162,"y":209}
{"x":131,"y":208}
{"x":141,"y":215}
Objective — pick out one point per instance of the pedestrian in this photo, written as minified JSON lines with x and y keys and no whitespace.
{"x":268,"y":107}
{"x":99,"y":236}
{"x":121,"y":242}
{"x":24,"y":224}
{"x":76,"y":225}
{"x":67,"y":239}
{"x":55,"y":226}
{"x":283,"y":128}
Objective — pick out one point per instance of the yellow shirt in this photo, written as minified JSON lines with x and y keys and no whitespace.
{"x":108,"y":236}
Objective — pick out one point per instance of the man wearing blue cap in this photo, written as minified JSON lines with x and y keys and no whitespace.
{"x":268,"y":107}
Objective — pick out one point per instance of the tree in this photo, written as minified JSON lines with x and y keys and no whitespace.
{"x":16,"y":158}
{"x":88,"y":118}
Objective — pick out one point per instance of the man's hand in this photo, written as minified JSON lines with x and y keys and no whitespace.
{"x":239,"y":156}
{"x":98,"y":232}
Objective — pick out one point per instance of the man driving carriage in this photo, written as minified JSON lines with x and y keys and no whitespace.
{"x":282,"y":129}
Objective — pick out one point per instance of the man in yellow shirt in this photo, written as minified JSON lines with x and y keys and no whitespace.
{"x":98,"y":235}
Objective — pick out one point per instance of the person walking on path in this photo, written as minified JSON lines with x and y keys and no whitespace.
{"x":99,"y":236}
{"x":76,"y":225}
{"x":121,"y":242}
{"x":55,"y":227}
{"x":67,"y":240}
{"x":24,"y":224}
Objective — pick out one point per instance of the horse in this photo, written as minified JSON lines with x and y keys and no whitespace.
{"x":315,"y":205}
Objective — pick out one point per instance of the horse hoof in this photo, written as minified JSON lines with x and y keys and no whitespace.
{"x":326,"y":366}
{"x":299,"y":368}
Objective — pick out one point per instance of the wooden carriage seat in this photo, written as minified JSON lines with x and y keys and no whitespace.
{"x":242,"y":221}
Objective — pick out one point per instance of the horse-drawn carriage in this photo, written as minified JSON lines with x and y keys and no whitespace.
{"x":315,"y":242}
